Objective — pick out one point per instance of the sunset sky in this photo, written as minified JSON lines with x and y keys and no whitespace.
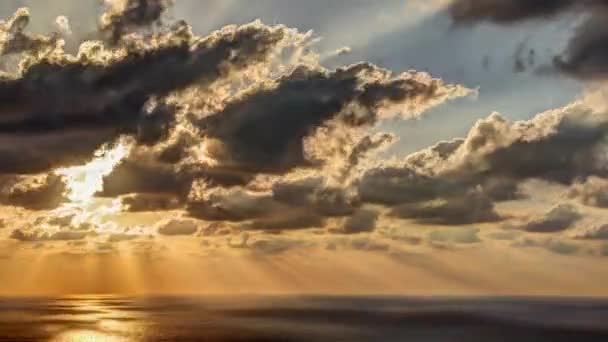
{"x":445,"y":147}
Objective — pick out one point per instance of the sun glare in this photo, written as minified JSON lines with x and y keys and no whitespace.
{"x":84,"y":181}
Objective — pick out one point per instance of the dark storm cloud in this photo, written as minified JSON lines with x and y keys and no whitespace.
{"x":265,"y":129}
{"x":102,"y":92}
{"x":586,"y":55}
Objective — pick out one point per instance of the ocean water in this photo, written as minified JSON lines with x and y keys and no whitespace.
{"x":312,"y":318}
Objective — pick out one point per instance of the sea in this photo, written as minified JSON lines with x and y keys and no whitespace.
{"x":302,"y":318}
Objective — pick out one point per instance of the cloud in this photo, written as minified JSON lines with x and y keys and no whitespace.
{"x":38,"y":235}
{"x":233,"y":205}
{"x":102,"y":92}
{"x":261,"y":210}
{"x":361,"y":221}
{"x":264,"y":130}
{"x":296,"y":219}
{"x":585,"y":55}
{"x":149,"y":202}
{"x":120,"y":237}
{"x":474,"y":207}
{"x":496,"y":156}
{"x":33,"y":192}
{"x":315,"y":193}
{"x":455,"y":235}
{"x":123,"y":16}
{"x":592,"y":192}
{"x":597,"y":232}
{"x":505,"y":11}
{"x":558,"y":219}
{"x":176,"y":227}
{"x":556,"y":246}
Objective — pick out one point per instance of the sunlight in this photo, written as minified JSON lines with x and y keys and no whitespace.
{"x":84,"y":181}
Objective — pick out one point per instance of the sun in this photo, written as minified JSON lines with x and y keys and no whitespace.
{"x":84,"y":181}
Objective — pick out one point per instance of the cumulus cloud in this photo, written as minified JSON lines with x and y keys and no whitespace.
{"x":123,"y":16}
{"x":597,"y":232}
{"x":211,"y":117}
{"x":264,"y":130}
{"x":33,"y":192}
{"x":361,"y":221}
{"x":38,"y":235}
{"x":149,"y":202}
{"x":592,"y":192}
{"x":102,"y":91}
{"x":558,"y":219}
{"x":176,"y":227}
{"x":472,"y":208}
{"x":436,"y":184}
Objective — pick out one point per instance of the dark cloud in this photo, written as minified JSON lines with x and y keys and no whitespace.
{"x":361,"y":221}
{"x":313,"y":193}
{"x":558,"y":219}
{"x":38,"y":235}
{"x":506,"y":11}
{"x":598,"y":232}
{"x":141,"y":202}
{"x":586,"y":55}
{"x":33,"y":192}
{"x":362,"y":149}
{"x":472,"y":208}
{"x":234,"y":205}
{"x":102,"y":92}
{"x":124,"y":16}
{"x":220,"y":110}
{"x":294,"y":219}
{"x":264,"y":130}
{"x":592,"y":192}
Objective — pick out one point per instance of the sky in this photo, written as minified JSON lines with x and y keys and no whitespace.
{"x":446,"y":147}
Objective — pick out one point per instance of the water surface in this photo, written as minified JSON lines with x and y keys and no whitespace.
{"x":275,"y":318}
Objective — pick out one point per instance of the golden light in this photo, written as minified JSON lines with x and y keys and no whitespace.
{"x":84,"y":181}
